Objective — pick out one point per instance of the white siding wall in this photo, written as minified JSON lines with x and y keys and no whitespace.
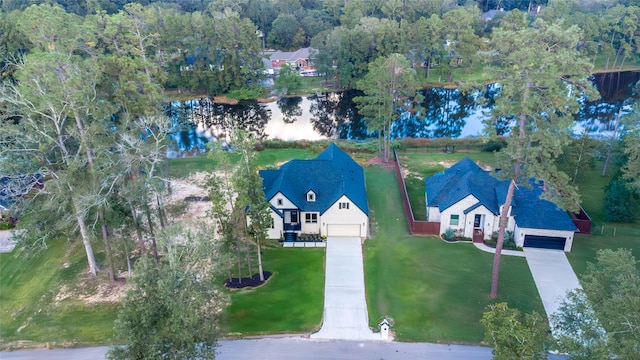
{"x":520,"y":233}
{"x":286,"y":203}
{"x":310,"y":228}
{"x":353,"y":215}
{"x":278,"y":226}
{"x":433,"y":213}
{"x":456,"y":209}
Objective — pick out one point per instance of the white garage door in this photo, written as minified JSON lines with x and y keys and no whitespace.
{"x":343,"y":230}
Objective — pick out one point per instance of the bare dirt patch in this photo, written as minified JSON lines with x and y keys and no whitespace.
{"x":190,"y":189}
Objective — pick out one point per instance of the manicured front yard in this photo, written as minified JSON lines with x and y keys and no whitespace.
{"x":434,"y":291}
{"x":291,"y":301}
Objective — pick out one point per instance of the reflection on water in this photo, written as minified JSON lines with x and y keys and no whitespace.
{"x":442,"y":113}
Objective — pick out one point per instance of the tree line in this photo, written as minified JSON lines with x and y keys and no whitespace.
{"x":215,"y":46}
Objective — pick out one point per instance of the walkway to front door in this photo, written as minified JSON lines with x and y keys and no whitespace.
{"x":345,"y":306}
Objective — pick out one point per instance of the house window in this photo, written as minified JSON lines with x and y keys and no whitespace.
{"x":279,"y":202}
{"x":455,"y":219}
{"x":311,"y":218}
{"x":273,"y":224}
{"x":311,"y":196}
{"x":343,"y":205}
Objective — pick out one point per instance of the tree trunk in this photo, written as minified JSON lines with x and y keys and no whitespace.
{"x":610,"y":145}
{"x":107,"y":247}
{"x":154,"y":246}
{"x":93,"y":267}
{"x":504,"y":219}
{"x":128,"y":255}
{"x":260,"y":271}
{"x":166,"y":173}
{"x":239,"y":258}
{"x":248,"y":255}
{"x":136,"y":223}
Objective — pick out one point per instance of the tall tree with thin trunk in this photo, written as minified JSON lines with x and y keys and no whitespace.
{"x":388,"y":87}
{"x":542,"y":75}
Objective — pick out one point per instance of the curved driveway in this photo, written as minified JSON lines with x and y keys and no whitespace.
{"x":345,"y":306}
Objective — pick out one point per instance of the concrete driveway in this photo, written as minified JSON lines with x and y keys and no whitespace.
{"x":6,"y":244}
{"x":553,"y":275}
{"x":345,"y":306}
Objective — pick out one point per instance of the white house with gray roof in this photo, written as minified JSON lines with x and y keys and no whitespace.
{"x":470,"y":201}
{"x":324,"y":196}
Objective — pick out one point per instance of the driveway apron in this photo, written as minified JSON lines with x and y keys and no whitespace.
{"x":553,"y":275}
{"x":345,"y":306}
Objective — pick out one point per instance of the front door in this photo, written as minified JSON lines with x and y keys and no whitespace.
{"x":477,"y":221}
{"x":294,"y":217}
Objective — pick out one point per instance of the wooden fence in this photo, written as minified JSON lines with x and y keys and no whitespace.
{"x":415,"y":227}
{"x":582,"y":220}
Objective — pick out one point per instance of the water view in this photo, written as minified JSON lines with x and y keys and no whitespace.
{"x":445,"y":113}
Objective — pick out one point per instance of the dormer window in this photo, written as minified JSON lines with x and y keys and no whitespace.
{"x":311,"y":196}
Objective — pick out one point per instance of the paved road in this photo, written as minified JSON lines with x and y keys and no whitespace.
{"x":553,"y":275}
{"x":345,"y":306}
{"x":293,"y":349}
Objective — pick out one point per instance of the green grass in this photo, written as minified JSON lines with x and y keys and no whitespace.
{"x":29,"y":309}
{"x":183,"y":167}
{"x":434,"y":291}
{"x":612,"y":236}
{"x":290,"y":302}
{"x":423,"y":165}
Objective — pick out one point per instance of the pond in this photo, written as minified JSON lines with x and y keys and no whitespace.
{"x":446,"y":113}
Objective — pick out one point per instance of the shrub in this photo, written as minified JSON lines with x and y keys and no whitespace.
{"x":448,"y":234}
{"x":494,"y":145}
{"x":6,"y":225}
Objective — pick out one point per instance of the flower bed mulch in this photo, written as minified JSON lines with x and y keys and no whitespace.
{"x":252,"y":281}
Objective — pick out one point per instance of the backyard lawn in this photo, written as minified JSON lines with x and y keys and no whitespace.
{"x":434,"y":291}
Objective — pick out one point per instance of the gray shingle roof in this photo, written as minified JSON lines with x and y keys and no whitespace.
{"x":330,"y":175}
{"x":466,"y":178}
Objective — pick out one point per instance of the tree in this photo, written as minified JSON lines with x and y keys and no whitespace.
{"x":283,"y":31}
{"x":388,"y":87}
{"x":171,"y":310}
{"x":514,"y":336}
{"x":59,"y":134}
{"x":612,"y":288}
{"x":620,"y":204}
{"x":239,"y":207}
{"x":631,"y":138}
{"x":542,"y":75}
{"x":288,"y":81}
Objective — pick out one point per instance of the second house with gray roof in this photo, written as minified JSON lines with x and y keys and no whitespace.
{"x":325,"y":196}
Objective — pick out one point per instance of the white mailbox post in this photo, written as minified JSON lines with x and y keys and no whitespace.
{"x":385,"y":328}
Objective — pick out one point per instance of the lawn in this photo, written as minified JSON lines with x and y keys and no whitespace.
{"x":31,"y":309}
{"x":291,"y":301}
{"x":434,"y":291}
{"x":183,"y":167}
{"x":422,"y":165}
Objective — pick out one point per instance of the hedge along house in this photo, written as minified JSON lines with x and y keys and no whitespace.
{"x":325,"y":196}
{"x":470,"y":201}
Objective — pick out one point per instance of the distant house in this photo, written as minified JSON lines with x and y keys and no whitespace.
{"x":299,"y":59}
{"x":492,"y":14}
{"x":470,"y":201}
{"x":324,"y":196}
